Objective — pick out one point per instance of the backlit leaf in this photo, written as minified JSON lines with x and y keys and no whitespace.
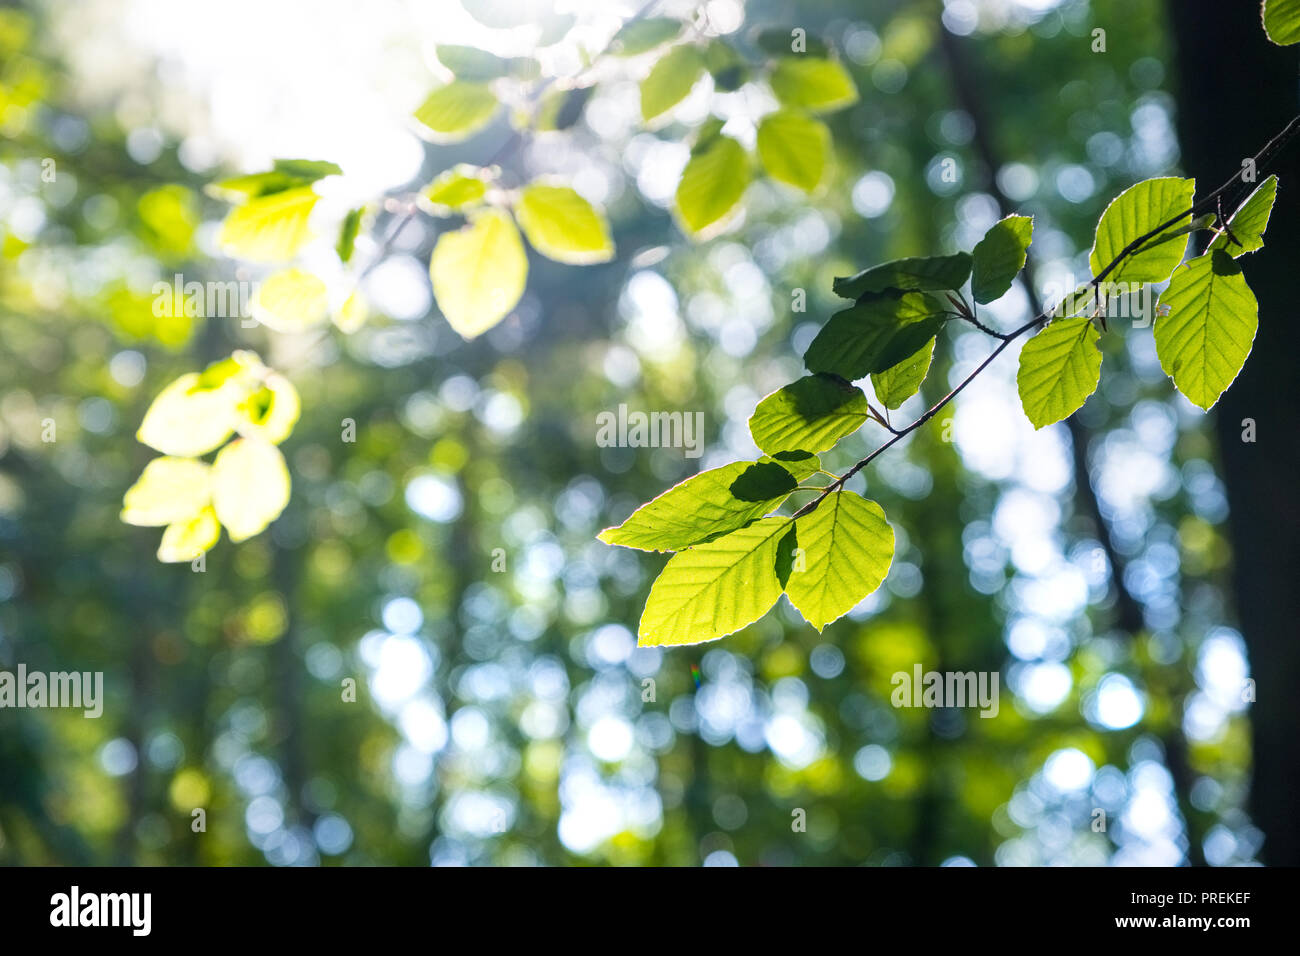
{"x":1135,"y":212}
{"x":896,"y":385}
{"x":269,"y":228}
{"x":479,"y":272}
{"x":927,"y":273}
{"x":715,"y":589}
{"x":250,"y":487}
{"x":457,"y":111}
{"x":188,"y":420}
{"x":793,"y":148}
{"x":875,"y":335}
{"x":999,"y":257}
{"x":847,"y":547}
{"x":187,"y":539}
{"x":811,"y":414}
{"x":563,"y":226}
{"x":1249,"y":222}
{"x":813,"y":83}
{"x":1203,"y":342}
{"x":670,"y":80}
{"x":291,"y":301}
{"x":169,"y":489}
{"x":1059,"y":369}
{"x":714,"y":180}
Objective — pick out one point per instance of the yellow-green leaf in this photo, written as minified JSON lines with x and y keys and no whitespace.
{"x":811,"y":415}
{"x":1248,"y":222}
{"x":187,"y":419}
{"x":813,"y":83}
{"x":1282,"y":21}
{"x":479,"y":272}
{"x":845,"y":549}
{"x":793,"y":148}
{"x":714,"y":180}
{"x":896,"y":385}
{"x":999,"y":257}
{"x":169,"y":489}
{"x":457,"y":111}
{"x":670,"y":80}
{"x":715,"y":589}
{"x":185,"y":540}
{"x":701,"y":507}
{"x":1059,"y":369}
{"x":563,"y":226}
{"x":1131,"y":215}
{"x":1204,"y":340}
{"x":270,"y":410}
{"x":291,"y":301}
{"x":269,"y":228}
{"x":456,"y":188}
{"x":250,"y":487}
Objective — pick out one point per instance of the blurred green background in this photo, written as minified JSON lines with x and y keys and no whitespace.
{"x":1126,"y":574}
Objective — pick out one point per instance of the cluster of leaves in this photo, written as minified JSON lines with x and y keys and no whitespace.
{"x":479,"y":271}
{"x":245,"y":487}
{"x":735,"y":557}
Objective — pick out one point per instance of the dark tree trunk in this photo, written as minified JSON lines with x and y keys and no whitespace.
{"x":1236,"y":90}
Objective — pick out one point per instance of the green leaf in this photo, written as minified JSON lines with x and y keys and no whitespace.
{"x":1282,"y":21}
{"x":456,"y":188}
{"x":250,"y":487}
{"x":875,"y":335}
{"x":562,"y":225}
{"x":1134,"y":213}
{"x":471,"y":63}
{"x":670,"y":80}
{"x":775,"y":42}
{"x":847,"y":547}
{"x":999,"y":257}
{"x":269,"y":228}
{"x":793,"y":148}
{"x":725,"y":65}
{"x":168,"y":490}
{"x":699,"y":508}
{"x":896,"y":385}
{"x":929,"y":273}
{"x":479,"y":272}
{"x":798,"y":462}
{"x":348,"y":232}
{"x":762,"y":482}
{"x":284,"y":174}
{"x":185,"y":540}
{"x":1249,"y":221}
{"x":712,"y":183}
{"x":561,"y":109}
{"x":1059,"y":368}
{"x":1203,"y":342}
{"x":292,"y":300}
{"x":813,"y":83}
{"x":187,"y":419}
{"x":269,"y":412}
{"x":715,"y":589}
{"x":810,"y":415}
{"x":641,"y":36}
{"x":457,"y":111}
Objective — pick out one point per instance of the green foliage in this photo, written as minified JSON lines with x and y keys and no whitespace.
{"x":999,"y":257}
{"x":846,"y":549}
{"x":813,"y":83}
{"x":641,"y":36}
{"x":1131,"y":215}
{"x":563,"y":226}
{"x":456,"y":189}
{"x":1245,"y":232}
{"x":793,"y":148}
{"x":1207,"y":334}
{"x":670,"y":80}
{"x":876,"y":334}
{"x":1059,"y":368}
{"x":457,"y":111}
{"x":479,"y":272}
{"x":715,"y":178}
{"x":811,"y":415}
{"x":896,"y":385}
{"x":1282,"y":21}
{"x":931,"y":273}
{"x":269,"y":227}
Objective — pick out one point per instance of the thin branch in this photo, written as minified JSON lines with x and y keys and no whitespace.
{"x":1045,"y":316}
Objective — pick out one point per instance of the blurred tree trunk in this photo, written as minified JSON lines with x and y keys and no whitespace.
{"x":1236,"y":90}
